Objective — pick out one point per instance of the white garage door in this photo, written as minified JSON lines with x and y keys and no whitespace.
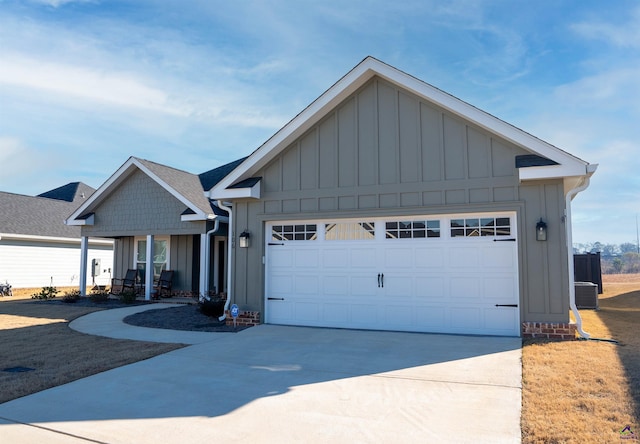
{"x":450,"y":274}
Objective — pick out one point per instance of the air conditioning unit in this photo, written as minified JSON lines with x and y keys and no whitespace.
{"x":586,"y":295}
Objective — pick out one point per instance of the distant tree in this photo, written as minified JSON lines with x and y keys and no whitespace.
{"x":628,"y":247}
{"x":631,"y":262}
{"x":609,"y":250}
{"x":617,"y":265}
{"x":596,"y":247}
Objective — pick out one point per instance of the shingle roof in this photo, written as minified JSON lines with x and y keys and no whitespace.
{"x":42,"y":216}
{"x":209,"y":178}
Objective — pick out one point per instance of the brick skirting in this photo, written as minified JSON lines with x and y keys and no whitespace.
{"x":245,"y":318}
{"x":550,"y":330}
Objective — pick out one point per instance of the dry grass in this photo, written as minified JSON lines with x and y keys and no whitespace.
{"x":36,"y":335}
{"x":587,"y":391}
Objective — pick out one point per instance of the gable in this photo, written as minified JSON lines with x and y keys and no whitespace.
{"x":386,"y":146}
{"x":139,"y":206}
{"x":565,"y":165}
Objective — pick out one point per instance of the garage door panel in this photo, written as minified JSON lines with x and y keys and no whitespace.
{"x":281,"y":310}
{"x":398,"y":258}
{"x":432,"y":317}
{"x":364,"y":258}
{"x":465,"y":287}
{"x":307,"y":258}
{"x":307,"y":284}
{"x":307,"y":311}
{"x":399,"y":287}
{"x":498,"y":256}
{"x":505,"y":317}
{"x":363,"y":285}
{"x":466,"y":318}
{"x":281,"y":258}
{"x":335,"y":258}
{"x":281,"y":284}
{"x":364,"y":315}
{"x":499,"y":288}
{"x":461,"y":257}
{"x":335,"y":285}
{"x":335,"y":314}
{"x":429,"y":258}
{"x":430,"y":288}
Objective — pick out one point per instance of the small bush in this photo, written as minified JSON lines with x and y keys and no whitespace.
{"x":71,"y":296}
{"x":127,"y":297}
{"x":46,"y":293}
{"x":99,"y":296}
{"x":212,"y":307}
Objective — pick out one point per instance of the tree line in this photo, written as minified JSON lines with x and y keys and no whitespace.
{"x":622,"y":258}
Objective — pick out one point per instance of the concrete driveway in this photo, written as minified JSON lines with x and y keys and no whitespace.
{"x":290,"y":384}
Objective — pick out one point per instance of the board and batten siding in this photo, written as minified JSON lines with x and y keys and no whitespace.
{"x":183,"y":259}
{"x":384,"y":151}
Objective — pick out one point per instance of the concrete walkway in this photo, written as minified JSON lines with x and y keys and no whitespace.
{"x":284,"y":384}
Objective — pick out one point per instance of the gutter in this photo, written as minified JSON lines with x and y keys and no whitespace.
{"x":572,"y":287}
{"x":229,"y":250}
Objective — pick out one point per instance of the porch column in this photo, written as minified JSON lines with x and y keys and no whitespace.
{"x":204,"y":264}
{"x":148,"y":279}
{"x":84,"y":253}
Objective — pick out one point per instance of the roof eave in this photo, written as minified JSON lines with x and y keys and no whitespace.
{"x":253,"y":192}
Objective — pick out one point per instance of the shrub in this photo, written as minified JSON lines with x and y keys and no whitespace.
{"x":71,"y":296}
{"x":127,"y":297}
{"x":46,"y":293}
{"x":99,"y":296}
{"x":212,"y":307}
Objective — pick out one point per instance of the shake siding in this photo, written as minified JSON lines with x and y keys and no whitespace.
{"x":385,"y":151}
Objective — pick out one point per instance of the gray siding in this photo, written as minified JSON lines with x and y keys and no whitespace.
{"x":384,"y":151}
{"x":139,"y":207}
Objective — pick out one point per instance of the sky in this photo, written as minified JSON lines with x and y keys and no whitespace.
{"x":194,"y":84}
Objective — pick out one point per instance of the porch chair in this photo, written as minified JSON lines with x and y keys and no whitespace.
{"x":164,"y":284}
{"x":128,"y":283}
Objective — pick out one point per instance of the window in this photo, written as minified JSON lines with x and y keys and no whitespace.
{"x":412,"y":229}
{"x":294,"y":232}
{"x":160,"y":256}
{"x":485,"y":226}
{"x":350,"y":231}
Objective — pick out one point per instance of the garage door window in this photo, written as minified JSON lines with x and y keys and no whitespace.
{"x":486,"y":226}
{"x":294,"y":232}
{"x":412,"y":229}
{"x":350,"y":231}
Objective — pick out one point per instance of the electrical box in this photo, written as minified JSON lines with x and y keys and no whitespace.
{"x":95,"y":267}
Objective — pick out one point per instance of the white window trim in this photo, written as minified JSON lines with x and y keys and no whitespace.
{"x":155,"y":238}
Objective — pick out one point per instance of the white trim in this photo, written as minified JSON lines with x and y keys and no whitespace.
{"x":253,"y":192}
{"x":84,"y":253}
{"x":357,"y":77}
{"x":79,"y":222}
{"x":69,"y":240}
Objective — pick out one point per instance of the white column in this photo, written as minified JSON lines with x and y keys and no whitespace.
{"x":204,"y":264}
{"x":84,"y":253}
{"x":149,"y":273}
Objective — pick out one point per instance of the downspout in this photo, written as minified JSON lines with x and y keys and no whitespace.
{"x":229,"y":249}
{"x":207,"y":256}
{"x":572,"y":287}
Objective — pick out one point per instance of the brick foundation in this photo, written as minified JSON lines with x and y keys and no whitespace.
{"x":245,"y":318}
{"x":565,"y":331}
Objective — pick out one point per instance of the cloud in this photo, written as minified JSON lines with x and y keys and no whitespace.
{"x":625,"y":35}
{"x":18,"y":160}
{"x":58,"y":3}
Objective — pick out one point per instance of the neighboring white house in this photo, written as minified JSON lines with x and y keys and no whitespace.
{"x":36,"y":247}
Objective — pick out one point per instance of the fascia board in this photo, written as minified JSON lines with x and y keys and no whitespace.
{"x":197,"y":217}
{"x":253,"y":192}
{"x":80,"y":222}
{"x":551,"y":172}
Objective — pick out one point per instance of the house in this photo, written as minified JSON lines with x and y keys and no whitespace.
{"x":160,"y":219}
{"x":37,"y":249}
{"x":390,"y":204}
{"x":385,"y":204}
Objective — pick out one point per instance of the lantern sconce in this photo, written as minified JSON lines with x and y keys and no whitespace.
{"x":245,"y":239}
{"x":541,"y":230}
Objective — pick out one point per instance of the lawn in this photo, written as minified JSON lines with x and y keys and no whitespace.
{"x":36,"y":335}
{"x":587,"y":391}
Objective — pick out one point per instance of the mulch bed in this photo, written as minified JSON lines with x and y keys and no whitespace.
{"x":186,"y":318}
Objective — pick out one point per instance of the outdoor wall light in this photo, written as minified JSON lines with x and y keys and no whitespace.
{"x":541,"y":231}
{"x":245,"y":239}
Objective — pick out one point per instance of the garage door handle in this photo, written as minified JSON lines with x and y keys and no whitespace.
{"x":275,"y":299}
{"x":504,"y":240}
{"x":382,"y":276}
{"x":378,"y":280}
{"x":507,"y":305}
{"x":275,"y":243}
